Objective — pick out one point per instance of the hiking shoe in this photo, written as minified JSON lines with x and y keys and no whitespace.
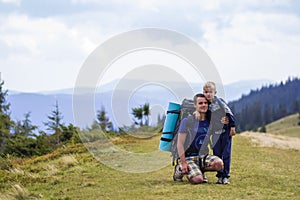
{"x":226,"y":181}
{"x":220,"y":180}
{"x":204,"y":178}
{"x":177,"y":176}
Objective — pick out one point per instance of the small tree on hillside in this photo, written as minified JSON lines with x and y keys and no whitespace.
{"x":146,"y":113}
{"x":43,"y":143}
{"x":263,"y":129}
{"x":54,"y":123}
{"x":161,"y":119}
{"x":27,"y":126}
{"x":22,"y":142}
{"x":141,"y":113}
{"x":70,"y":132}
{"x":5,"y":122}
{"x":138,"y":113}
{"x":103,"y":120}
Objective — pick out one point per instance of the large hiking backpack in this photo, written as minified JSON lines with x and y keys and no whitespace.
{"x":186,"y":110}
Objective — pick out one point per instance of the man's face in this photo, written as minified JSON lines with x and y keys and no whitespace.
{"x":209,"y":93}
{"x":201,"y":105}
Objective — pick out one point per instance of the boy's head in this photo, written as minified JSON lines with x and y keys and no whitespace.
{"x":209,"y":90}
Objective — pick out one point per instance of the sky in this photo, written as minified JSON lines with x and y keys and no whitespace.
{"x":43,"y":44}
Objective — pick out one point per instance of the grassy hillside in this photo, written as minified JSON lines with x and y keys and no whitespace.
{"x":286,"y":126}
{"x":73,"y":173}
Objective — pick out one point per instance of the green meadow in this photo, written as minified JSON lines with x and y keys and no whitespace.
{"x":73,"y":173}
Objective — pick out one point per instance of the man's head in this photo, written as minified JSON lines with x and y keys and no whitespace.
{"x":200,"y":103}
{"x":209,"y":90}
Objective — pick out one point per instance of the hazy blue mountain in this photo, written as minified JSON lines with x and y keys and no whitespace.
{"x":267,"y":104}
{"x":235,"y":90}
{"x":117,"y":95}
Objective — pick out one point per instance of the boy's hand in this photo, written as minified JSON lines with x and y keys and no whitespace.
{"x":232,"y":132}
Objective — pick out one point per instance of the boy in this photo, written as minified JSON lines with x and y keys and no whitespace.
{"x":221,"y":133}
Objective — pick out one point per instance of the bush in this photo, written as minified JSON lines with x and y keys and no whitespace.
{"x":5,"y":163}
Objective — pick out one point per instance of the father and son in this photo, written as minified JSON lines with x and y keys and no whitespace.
{"x":214,"y":124}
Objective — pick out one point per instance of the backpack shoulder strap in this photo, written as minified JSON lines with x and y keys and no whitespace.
{"x":190,"y":122}
{"x":190,"y":133}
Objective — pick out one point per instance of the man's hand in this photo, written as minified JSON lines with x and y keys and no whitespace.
{"x":197,"y":115}
{"x":225,"y":120}
{"x":184,"y":168}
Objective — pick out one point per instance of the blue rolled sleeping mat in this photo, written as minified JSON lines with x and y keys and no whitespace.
{"x":169,"y":126}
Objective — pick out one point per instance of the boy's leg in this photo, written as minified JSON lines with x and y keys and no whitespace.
{"x":227,"y":158}
{"x":226,"y":155}
{"x":217,"y":150}
{"x":211,"y":163}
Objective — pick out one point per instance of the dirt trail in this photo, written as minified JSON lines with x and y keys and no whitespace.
{"x":270,"y":140}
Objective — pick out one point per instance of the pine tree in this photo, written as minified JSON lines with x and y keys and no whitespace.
{"x":68,"y":133}
{"x":161,"y":119}
{"x":25,"y":127}
{"x":263,"y":129}
{"x":22,"y":142}
{"x":5,"y":121}
{"x":103,"y":120}
{"x":138,"y":113}
{"x":146,"y":113}
{"x":54,"y":123}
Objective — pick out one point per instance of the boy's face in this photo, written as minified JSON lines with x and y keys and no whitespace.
{"x":201,"y":105}
{"x":209,"y":93}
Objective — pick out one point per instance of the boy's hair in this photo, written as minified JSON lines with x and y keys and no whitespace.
{"x":210,"y":85}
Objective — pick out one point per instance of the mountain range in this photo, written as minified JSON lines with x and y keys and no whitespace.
{"x":74,"y":104}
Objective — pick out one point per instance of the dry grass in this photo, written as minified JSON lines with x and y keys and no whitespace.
{"x":287,"y":126}
{"x":271,"y":140}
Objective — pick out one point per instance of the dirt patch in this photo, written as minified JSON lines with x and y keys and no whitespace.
{"x":270,"y":140}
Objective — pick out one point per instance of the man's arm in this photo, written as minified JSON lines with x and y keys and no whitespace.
{"x":181,"y":152}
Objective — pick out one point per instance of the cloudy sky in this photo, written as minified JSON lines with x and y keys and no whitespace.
{"x":43,"y":44}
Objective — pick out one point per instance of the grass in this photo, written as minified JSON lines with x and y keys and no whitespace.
{"x":73,"y":173}
{"x":286,"y":126}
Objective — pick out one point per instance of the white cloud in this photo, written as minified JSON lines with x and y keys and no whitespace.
{"x":45,"y":50}
{"x":15,"y":2}
{"x":248,"y":37}
{"x":255,"y":45}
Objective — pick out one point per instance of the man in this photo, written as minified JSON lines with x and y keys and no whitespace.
{"x":191,"y":141}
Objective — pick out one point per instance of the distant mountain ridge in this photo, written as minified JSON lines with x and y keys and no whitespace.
{"x":267,"y":104}
{"x":41,"y":104}
{"x":233,"y":91}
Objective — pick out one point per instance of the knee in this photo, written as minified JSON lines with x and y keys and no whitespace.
{"x":197,"y":179}
{"x":218,"y":164}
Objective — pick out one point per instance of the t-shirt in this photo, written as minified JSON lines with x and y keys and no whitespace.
{"x":198,"y":127}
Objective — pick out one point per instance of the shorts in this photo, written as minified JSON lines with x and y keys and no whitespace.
{"x":193,"y":164}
